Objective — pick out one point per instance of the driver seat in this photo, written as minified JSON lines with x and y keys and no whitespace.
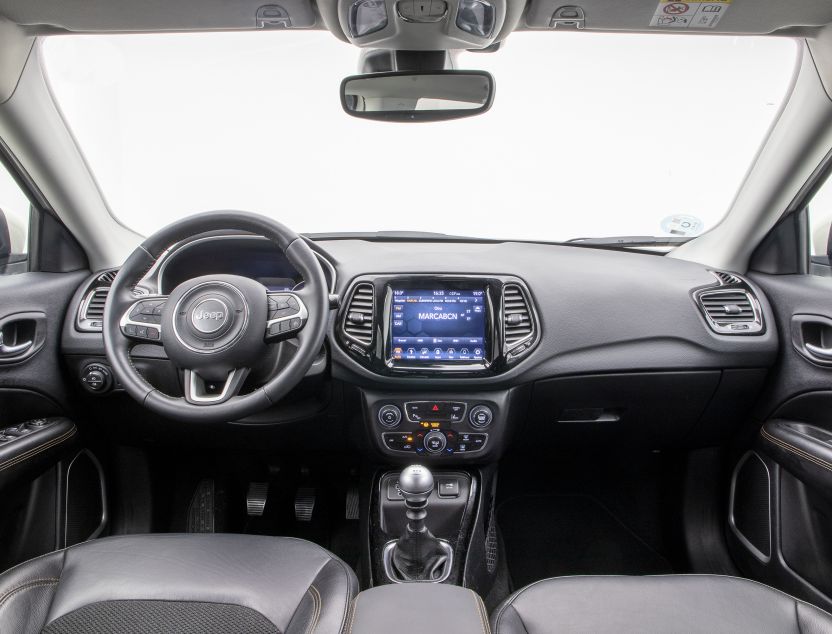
{"x":206,"y":584}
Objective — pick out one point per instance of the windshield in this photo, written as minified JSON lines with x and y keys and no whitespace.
{"x":590,"y":135}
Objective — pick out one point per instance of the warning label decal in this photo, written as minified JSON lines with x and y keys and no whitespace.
{"x":694,"y":15}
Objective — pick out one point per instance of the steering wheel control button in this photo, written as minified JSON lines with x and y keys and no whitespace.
{"x":147,"y":311}
{"x":389,"y":416}
{"x":481,"y":416}
{"x":287,"y":315}
{"x":435,"y":442}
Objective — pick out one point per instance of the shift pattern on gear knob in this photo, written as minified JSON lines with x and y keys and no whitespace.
{"x":416,"y":483}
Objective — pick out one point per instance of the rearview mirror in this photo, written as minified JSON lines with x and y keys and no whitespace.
{"x":418,"y":95}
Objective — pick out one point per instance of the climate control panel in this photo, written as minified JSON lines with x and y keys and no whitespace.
{"x":437,"y":442}
{"x":433,"y":427}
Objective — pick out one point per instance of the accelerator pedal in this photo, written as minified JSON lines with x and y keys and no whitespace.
{"x":351,"y":512}
{"x":258,"y":493}
{"x":203,"y":508}
{"x":304,"y":504}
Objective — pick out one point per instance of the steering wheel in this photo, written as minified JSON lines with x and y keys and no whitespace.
{"x":216,"y":329}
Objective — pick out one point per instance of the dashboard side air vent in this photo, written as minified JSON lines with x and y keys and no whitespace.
{"x":727,"y":279}
{"x":519,"y":324}
{"x":358,"y":317}
{"x":91,"y":312}
{"x":731,"y":311}
{"x":107,"y":277}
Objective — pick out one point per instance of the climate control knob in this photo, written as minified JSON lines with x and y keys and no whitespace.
{"x":481,"y":416}
{"x":389,"y":416}
{"x":435,"y":442}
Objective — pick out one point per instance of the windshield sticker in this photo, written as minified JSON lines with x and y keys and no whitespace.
{"x":695,"y":15}
{"x":682,"y":225}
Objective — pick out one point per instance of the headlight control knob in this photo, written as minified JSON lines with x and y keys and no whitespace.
{"x":96,"y":378}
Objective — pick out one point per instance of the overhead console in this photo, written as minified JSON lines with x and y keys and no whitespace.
{"x":438,"y":325}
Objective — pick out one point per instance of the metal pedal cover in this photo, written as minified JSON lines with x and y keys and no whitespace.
{"x":304,"y":504}
{"x":258,"y":493}
{"x":202,"y":508}
{"x":352,"y":503}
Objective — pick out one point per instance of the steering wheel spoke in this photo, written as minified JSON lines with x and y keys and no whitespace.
{"x":142,"y":321}
{"x":202,"y":391}
{"x":287,"y":315}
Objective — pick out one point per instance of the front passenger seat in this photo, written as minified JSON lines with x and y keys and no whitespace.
{"x":206,"y":584}
{"x":660,"y":604}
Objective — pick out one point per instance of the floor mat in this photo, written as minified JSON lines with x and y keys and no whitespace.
{"x":558,"y":535}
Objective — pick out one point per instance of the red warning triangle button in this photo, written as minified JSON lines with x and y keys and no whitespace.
{"x":435,"y":408}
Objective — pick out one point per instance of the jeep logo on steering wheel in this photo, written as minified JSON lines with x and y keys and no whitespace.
{"x":218,"y":314}
{"x":209,"y":315}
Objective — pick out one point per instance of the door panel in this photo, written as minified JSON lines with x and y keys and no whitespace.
{"x":32,"y":308}
{"x":789,"y":498}
{"x":36,"y":431}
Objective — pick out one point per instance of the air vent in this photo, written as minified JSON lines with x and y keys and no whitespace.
{"x":107,"y":277}
{"x":733,"y":312}
{"x":727,"y":279}
{"x":91,"y":313}
{"x":358,"y":320}
{"x":518,"y":323}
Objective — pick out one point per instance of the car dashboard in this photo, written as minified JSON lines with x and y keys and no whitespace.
{"x":452,"y":350}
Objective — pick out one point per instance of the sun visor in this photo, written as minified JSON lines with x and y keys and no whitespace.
{"x":712,"y":16}
{"x":159,"y":15}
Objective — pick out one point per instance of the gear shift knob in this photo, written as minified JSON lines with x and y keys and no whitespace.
{"x":416,"y":484}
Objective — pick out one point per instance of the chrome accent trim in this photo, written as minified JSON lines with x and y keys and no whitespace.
{"x":754,"y":327}
{"x":732,"y":498}
{"x":343,"y":325}
{"x":533,"y":319}
{"x":196,"y":395}
{"x":82,"y":322}
{"x":103,"y":486}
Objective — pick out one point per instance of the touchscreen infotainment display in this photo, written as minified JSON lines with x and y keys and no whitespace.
{"x":438,"y":325}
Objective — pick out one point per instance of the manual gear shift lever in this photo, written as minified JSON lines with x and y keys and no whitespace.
{"x":418,"y":555}
{"x":416,"y":485}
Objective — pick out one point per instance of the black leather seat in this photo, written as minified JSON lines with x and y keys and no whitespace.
{"x":179,"y":583}
{"x":694,"y":603}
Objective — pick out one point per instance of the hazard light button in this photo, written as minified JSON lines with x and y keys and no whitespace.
{"x":436,"y":411}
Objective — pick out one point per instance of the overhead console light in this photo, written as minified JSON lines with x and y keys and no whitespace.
{"x":367,"y":16}
{"x":476,"y":17}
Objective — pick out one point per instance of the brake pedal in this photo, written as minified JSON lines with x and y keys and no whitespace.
{"x":258,"y":493}
{"x":304,"y":504}
{"x":202,"y":509}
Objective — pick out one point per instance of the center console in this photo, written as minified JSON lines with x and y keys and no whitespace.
{"x":445,"y":325}
{"x":440,"y":428}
